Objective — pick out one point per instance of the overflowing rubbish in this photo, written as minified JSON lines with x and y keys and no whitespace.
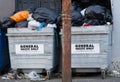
{"x":19,"y":75}
{"x":20,"y":16}
{"x":91,"y":15}
{"x":33,"y":24}
{"x":30,"y":18}
{"x":7,"y":22}
{"x":21,"y":24}
{"x":51,"y":25}
{"x":87,"y":24}
{"x":80,"y":16}
{"x":42,"y":24}
{"x":76,"y":16}
{"x":77,"y":19}
{"x":96,"y":12}
{"x":83,"y":12}
{"x":34,"y":19}
{"x":44,"y":15}
{"x":114,"y":73}
{"x":97,"y":15}
{"x":94,"y":22}
{"x":34,"y":76}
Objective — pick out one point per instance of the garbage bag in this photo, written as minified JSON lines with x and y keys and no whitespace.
{"x":59,"y":20}
{"x":76,"y":16}
{"x":7,"y":22}
{"x":83,"y":12}
{"x":44,"y":15}
{"x":22,"y":24}
{"x":94,"y":22}
{"x":30,"y":18}
{"x":32,"y":25}
{"x":98,"y":12}
{"x":76,"y":19}
{"x":42,"y":24}
{"x":20,"y":16}
{"x":31,"y":10}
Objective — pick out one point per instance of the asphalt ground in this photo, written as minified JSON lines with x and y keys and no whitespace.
{"x":75,"y":78}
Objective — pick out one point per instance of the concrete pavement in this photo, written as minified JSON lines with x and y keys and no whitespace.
{"x":95,"y":78}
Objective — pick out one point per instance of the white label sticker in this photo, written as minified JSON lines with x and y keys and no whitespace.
{"x":29,"y":48}
{"x":85,"y":48}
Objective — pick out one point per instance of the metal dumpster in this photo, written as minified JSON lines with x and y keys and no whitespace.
{"x":33,"y":49}
{"x":90,"y":48}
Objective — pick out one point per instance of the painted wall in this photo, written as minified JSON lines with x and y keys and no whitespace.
{"x":6,"y":7}
{"x":116,"y":29}
{"x":115,"y":65}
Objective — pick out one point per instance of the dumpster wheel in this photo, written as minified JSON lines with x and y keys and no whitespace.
{"x":103,"y":73}
{"x":48,"y":74}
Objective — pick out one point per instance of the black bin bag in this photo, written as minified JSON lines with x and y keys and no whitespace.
{"x":45,"y":15}
{"x":76,"y":19}
{"x":6,"y":22}
{"x":22,"y":24}
{"x":98,"y":12}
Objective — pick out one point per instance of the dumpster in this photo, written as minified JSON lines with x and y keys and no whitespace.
{"x":4,"y":52}
{"x":90,"y":48}
{"x":31,"y":49}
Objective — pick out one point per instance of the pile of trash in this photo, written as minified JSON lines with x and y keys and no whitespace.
{"x":34,"y":19}
{"x":114,"y":73}
{"x":19,"y":75}
{"x":88,"y":16}
{"x":97,"y":15}
{"x":38,"y":18}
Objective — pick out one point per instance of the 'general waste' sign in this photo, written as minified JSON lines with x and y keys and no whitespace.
{"x":85,"y":48}
{"x":29,"y":48}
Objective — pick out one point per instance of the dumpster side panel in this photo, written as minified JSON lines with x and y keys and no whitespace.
{"x":89,"y":58}
{"x":90,"y":46}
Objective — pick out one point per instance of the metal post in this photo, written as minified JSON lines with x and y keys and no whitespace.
{"x":66,"y":41}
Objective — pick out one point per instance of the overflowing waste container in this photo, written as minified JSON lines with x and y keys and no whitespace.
{"x":32,"y":45}
{"x":90,"y":48}
{"x":33,"y":34}
{"x":31,"y":49}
